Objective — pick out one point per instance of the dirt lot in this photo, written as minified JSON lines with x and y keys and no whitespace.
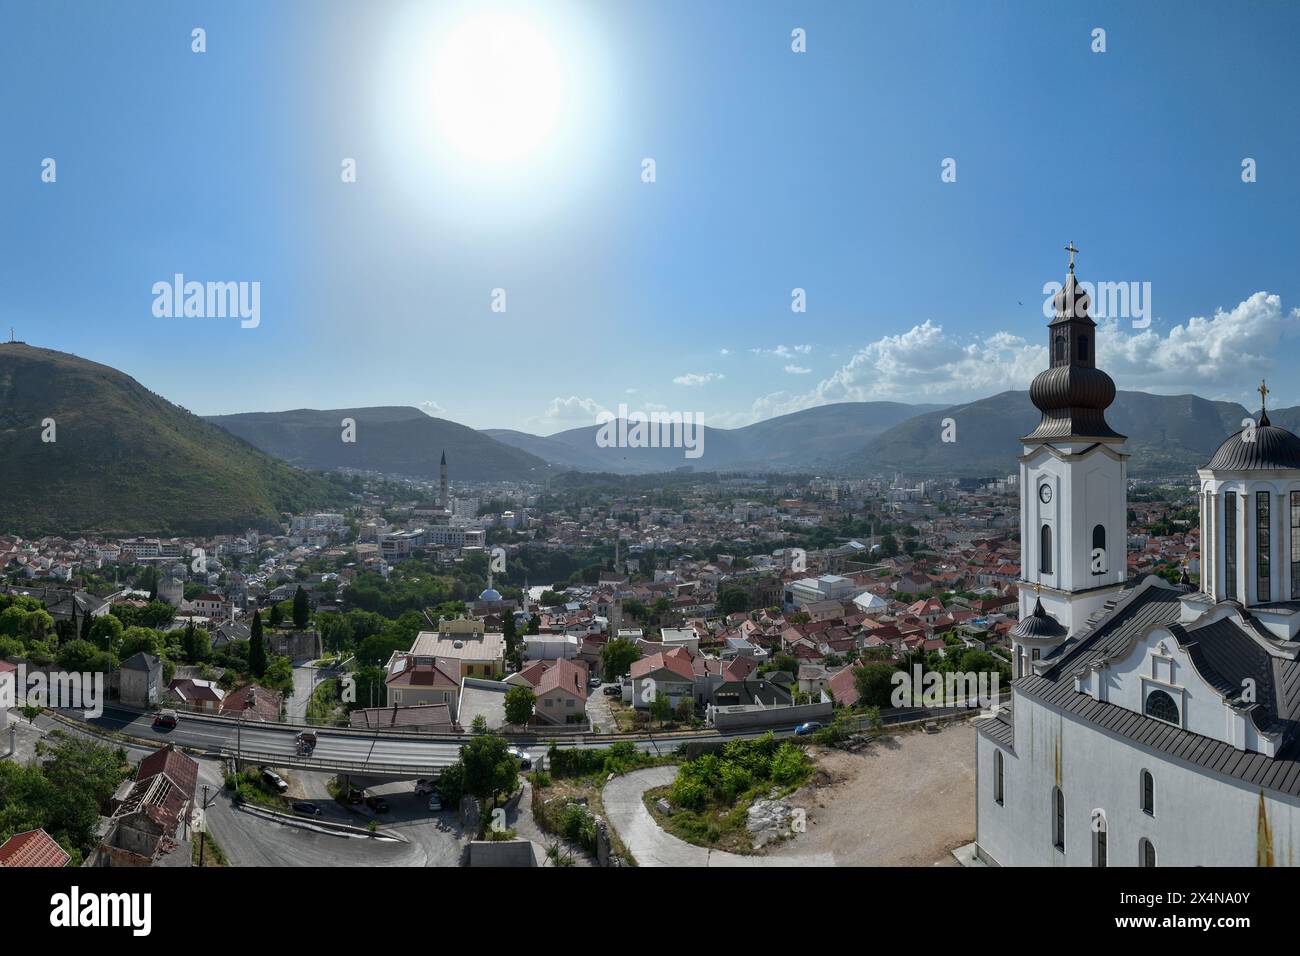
{"x":905,"y":801}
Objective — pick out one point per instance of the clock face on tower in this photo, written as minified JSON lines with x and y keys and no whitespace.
{"x":1045,"y":493}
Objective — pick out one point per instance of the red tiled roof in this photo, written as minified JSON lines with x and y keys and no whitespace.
{"x":566,"y":676}
{"x":33,"y":848}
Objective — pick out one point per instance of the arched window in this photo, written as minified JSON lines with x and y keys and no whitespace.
{"x":1146,"y":853}
{"x":1099,"y":842}
{"x":1162,"y":707}
{"x":1045,"y":549}
{"x":1148,"y":793}
{"x":1058,"y":819}
{"x":1099,"y":541}
{"x":997,"y":777}
{"x":1060,"y":348}
{"x":1083,"y":348}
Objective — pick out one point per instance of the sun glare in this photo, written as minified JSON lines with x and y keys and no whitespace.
{"x":497,"y":89}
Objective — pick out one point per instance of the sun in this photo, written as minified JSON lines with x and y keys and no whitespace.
{"x":497,"y":89}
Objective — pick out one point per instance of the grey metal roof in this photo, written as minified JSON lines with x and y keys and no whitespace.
{"x":1223,"y":653}
{"x":1272,"y":448}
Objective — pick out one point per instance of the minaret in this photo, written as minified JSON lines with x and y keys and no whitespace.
{"x":443,"y":495}
{"x":1073,"y":487}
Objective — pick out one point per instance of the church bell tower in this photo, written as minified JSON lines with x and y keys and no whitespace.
{"x":1073,"y":487}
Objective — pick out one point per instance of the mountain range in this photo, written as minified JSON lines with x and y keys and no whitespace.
{"x":84,"y":447}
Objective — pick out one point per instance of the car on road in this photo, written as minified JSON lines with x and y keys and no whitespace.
{"x":423,"y":786}
{"x":435,"y":803}
{"x":306,"y":742}
{"x":613,"y":690}
{"x":594,"y":682}
{"x":306,"y":808}
{"x":525,"y":762}
{"x":810,"y":727}
{"x":274,"y":780}
{"x":378,"y":804}
{"x":166,"y":719}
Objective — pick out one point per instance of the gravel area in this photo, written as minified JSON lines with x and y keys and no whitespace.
{"x":905,"y":801}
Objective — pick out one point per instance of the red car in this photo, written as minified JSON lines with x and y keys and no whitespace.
{"x":166,"y":718}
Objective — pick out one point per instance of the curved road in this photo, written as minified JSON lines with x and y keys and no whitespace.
{"x":651,"y":845}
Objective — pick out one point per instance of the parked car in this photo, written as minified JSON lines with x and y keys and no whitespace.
{"x":435,"y":803}
{"x":594,"y":682}
{"x":811,"y":727}
{"x":274,"y":780}
{"x":613,"y":690}
{"x":306,"y":742}
{"x":378,"y":804}
{"x":356,"y":797}
{"x":306,"y":808}
{"x":166,"y":718}
{"x":424,"y":786}
{"x":525,"y":762}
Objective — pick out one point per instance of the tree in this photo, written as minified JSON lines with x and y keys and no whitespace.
{"x":277,"y":616}
{"x":618,"y":657}
{"x":519,"y":705}
{"x":197,"y":644}
{"x":257,"y":647}
{"x":490,"y":770}
{"x":106,"y":632}
{"x":661,"y":708}
{"x":874,"y":684}
{"x":84,"y":657}
{"x":510,"y":633}
{"x":301,"y":609}
{"x":732,"y":600}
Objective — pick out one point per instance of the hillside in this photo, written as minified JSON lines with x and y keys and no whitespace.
{"x":801,"y":441}
{"x":1169,"y":435}
{"x":395,"y":440}
{"x":126,"y":460}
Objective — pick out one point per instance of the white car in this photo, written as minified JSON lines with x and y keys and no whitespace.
{"x":435,"y":803}
{"x":423,"y":786}
{"x":525,"y":762}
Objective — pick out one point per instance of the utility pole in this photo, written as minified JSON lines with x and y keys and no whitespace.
{"x":203,"y":834}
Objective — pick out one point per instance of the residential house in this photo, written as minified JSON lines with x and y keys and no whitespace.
{"x":140,"y":680}
{"x":32,"y":848}
{"x":414,"y":680}
{"x":150,"y":825}
{"x":561,"y":693}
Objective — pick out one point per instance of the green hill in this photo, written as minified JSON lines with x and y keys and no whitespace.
{"x":127,"y":461}
{"x":1168,"y":435}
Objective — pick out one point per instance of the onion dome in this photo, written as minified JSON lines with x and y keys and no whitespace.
{"x":1039,"y":625}
{"x":1072,"y":394}
{"x":1266,"y":447}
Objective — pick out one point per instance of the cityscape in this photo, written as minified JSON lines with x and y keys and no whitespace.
{"x":419,"y":477}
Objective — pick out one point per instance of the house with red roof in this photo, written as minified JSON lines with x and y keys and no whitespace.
{"x":34,"y":848}
{"x":666,"y":672}
{"x":150,"y":824}
{"x":561,"y":693}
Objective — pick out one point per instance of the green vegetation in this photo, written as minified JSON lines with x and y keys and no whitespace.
{"x":62,"y":792}
{"x":127,"y":461}
{"x":711,"y":795}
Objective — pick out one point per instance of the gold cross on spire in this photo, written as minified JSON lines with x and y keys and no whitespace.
{"x":1263,"y":391}
{"x":1071,"y":250}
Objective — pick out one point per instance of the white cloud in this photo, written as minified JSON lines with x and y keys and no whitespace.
{"x":797,"y":370}
{"x":433,"y":409}
{"x":724,"y":351}
{"x":698,"y":378}
{"x":785,"y":351}
{"x":1224,"y":354}
{"x":568,"y":412}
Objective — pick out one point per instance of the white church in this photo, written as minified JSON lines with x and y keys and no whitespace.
{"x":1150,"y":724}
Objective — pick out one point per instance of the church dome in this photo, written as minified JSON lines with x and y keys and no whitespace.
{"x":1072,"y":394}
{"x":1039,"y":624}
{"x":1273,"y":449}
{"x":490,"y":594}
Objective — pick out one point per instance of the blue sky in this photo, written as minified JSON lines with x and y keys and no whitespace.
{"x":774,"y":170}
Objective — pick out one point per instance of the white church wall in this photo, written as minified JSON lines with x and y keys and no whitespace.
{"x":1200,"y":819}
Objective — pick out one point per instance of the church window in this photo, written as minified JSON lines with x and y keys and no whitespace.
{"x":1263,"y":547}
{"x":1146,"y":853}
{"x":1099,"y":542}
{"x":1060,"y":348}
{"x":1148,"y":793}
{"x":1230,"y":543}
{"x":1058,"y":819}
{"x":1295,"y":545}
{"x":997,"y":776}
{"x":1083,"y":348}
{"x":1162,"y":707}
{"x":1045,"y":549}
{"x":1099,"y":843}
